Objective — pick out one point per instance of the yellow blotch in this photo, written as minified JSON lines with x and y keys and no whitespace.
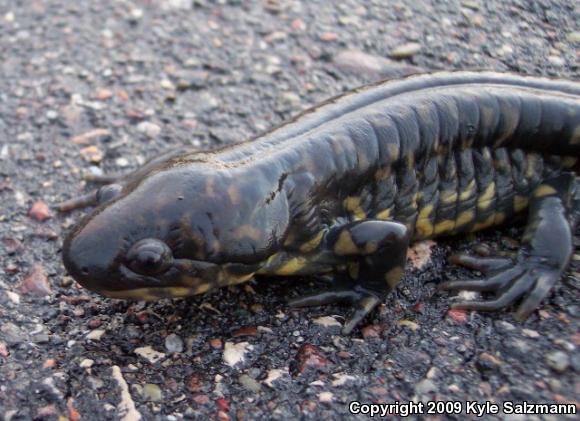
{"x":485,"y":199}
{"x":234,"y":195}
{"x":468,"y":191}
{"x":353,"y":269}
{"x":233,"y":279}
{"x":248,"y":231}
{"x":484,"y":224}
{"x":424,"y":227}
{"x":575,"y":139}
{"x":344,"y":245}
{"x":446,"y":225}
{"x":520,"y":203}
{"x":352,"y":204}
{"x":499,"y":218}
{"x":312,"y":243}
{"x":384,"y":214}
{"x":370,"y":247}
{"x":382,"y":173}
{"x":448,"y":197}
{"x":291,"y":267}
{"x":464,"y":217}
{"x":569,"y":161}
{"x":394,"y":276}
{"x":544,"y":190}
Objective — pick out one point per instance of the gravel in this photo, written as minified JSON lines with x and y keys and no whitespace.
{"x":99,"y":86}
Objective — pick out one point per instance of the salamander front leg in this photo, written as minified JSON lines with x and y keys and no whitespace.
{"x":375,"y":252}
{"x":545,"y":253}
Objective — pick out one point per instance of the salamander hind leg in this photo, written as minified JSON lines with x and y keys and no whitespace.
{"x":375,"y":252}
{"x":547,"y":246}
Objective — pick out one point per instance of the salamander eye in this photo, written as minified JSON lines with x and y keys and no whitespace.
{"x":108,"y":192}
{"x":150,"y":257}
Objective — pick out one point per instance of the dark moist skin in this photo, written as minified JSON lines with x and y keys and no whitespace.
{"x":343,"y":189}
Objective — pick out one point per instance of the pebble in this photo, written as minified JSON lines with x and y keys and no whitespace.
{"x":149,"y":354}
{"x":558,"y":361}
{"x":530,"y":333}
{"x":87,"y":137}
{"x":408,"y":323}
{"x":326,"y":321}
{"x":420,"y":253}
{"x":95,"y":335}
{"x":373,"y":67}
{"x":149,"y":129}
{"x":372,"y":331}
{"x":35,"y":282}
{"x":325,"y":397}
{"x":245,"y":331}
{"x":329,"y":36}
{"x":92,"y":154}
{"x":458,"y":316}
{"x":556,"y":61}
{"x":235,"y":354}
{"x":405,"y":50}
{"x":273,"y":375}
{"x":173,"y":343}
{"x":573,"y":37}
{"x":342,"y":378}
{"x":249,"y":383}
{"x":40,"y":211}
{"x":86,"y":363}
{"x":309,"y":357}
{"x":424,"y":387}
{"x":206,"y":102}
{"x":12,"y":334}
{"x":152,"y":392}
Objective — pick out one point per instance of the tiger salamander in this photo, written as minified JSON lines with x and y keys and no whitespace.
{"x":343,"y":189}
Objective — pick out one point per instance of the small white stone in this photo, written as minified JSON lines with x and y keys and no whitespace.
{"x":149,"y":354}
{"x":235,"y":353}
{"x":342,"y":378}
{"x":95,"y":335}
{"x":15,"y":298}
{"x":86,"y":363}
{"x":325,"y":397}
{"x":327,"y":321}
{"x":273,"y":375}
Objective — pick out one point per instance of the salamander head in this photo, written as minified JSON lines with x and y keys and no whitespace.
{"x":171,"y":236}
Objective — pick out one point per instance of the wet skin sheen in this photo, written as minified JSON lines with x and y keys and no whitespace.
{"x":343,"y":189}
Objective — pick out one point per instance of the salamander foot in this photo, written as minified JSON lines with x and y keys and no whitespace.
{"x":362,"y":301}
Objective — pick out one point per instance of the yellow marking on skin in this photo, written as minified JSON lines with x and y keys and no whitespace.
{"x":382,"y":173}
{"x":569,"y":161}
{"x":290,"y":239}
{"x":464,"y":217}
{"x":312,"y":243}
{"x":234,"y":195}
{"x":370,"y":247}
{"x":234,"y":280}
{"x":353,"y":269}
{"x":150,"y":294}
{"x":394,"y":276}
{"x":531,"y":164}
{"x":247,"y":231}
{"x":520,"y":203}
{"x":352,"y":204}
{"x":344,"y":245}
{"x":485,"y":224}
{"x":468,"y":191}
{"x":424,"y":227}
{"x":544,"y":190}
{"x":443,"y":226}
{"x":485,"y":199}
{"x":384,"y":214}
{"x":292,"y":266}
{"x":448,"y":197}
{"x":575,"y":139}
{"x":499,"y":218}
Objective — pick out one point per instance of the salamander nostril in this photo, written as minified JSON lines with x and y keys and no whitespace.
{"x":85,"y":270}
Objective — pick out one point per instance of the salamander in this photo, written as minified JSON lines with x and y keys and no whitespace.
{"x":343,"y":189}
